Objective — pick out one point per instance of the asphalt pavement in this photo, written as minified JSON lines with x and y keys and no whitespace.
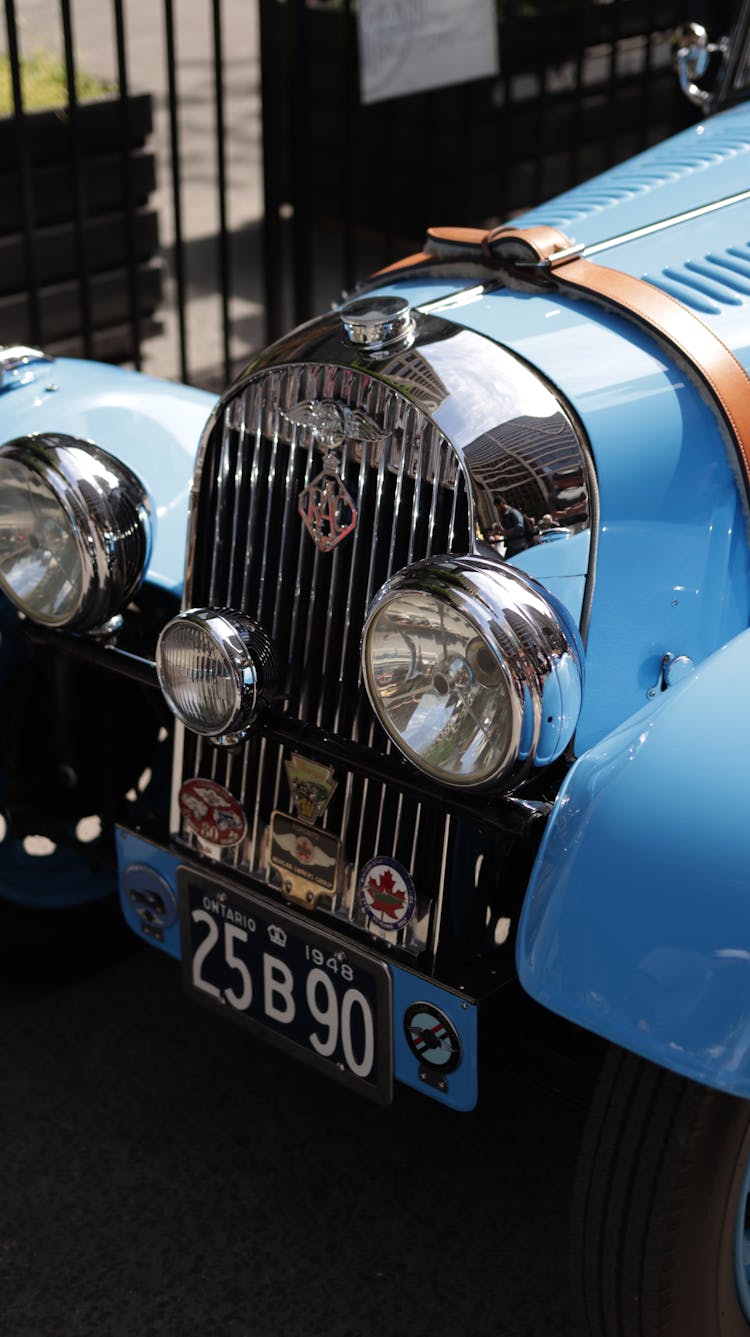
{"x":165,"y":1175}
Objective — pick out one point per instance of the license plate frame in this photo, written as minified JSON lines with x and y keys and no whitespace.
{"x":263,"y":931}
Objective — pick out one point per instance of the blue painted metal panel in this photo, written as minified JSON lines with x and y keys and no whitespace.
{"x":144,"y":868}
{"x":153,"y":426}
{"x":461,"y":1084}
{"x":636,"y":922}
{"x":706,"y":162}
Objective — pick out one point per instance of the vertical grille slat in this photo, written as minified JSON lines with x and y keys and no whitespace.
{"x":253,"y":553}
{"x":346,"y":640}
{"x":267,"y":527}
{"x":223,"y":507}
{"x":239,"y":476}
{"x":305,"y":555}
{"x":252,"y":518}
{"x":291,"y":525}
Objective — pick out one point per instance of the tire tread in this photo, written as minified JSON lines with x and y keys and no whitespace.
{"x":627,"y":1190}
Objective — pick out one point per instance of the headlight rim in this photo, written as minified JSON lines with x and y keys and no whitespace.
{"x":468,"y":584}
{"x":245,"y":648}
{"x":111,"y":524}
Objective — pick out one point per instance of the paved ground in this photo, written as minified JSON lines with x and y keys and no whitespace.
{"x":166,"y":1176}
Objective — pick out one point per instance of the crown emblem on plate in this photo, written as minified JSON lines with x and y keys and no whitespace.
{"x":277,"y":935}
{"x":325,"y":504}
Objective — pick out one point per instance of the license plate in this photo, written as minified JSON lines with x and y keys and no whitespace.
{"x":310,"y":992}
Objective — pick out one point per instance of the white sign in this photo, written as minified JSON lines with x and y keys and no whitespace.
{"x":406,"y":46}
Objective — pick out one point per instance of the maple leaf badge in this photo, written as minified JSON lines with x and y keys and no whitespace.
{"x":387,"y":893}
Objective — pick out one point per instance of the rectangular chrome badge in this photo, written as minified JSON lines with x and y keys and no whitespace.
{"x":306,"y":858}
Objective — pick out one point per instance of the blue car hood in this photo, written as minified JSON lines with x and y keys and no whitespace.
{"x":703,"y":260}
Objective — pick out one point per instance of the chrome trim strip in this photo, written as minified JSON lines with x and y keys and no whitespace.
{"x":214,"y":597}
{"x":597,"y":247}
{"x":253,"y":856}
{"x":178,"y":761}
{"x":336,"y":561}
{"x":252,"y":517}
{"x":271,"y":478}
{"x":239,"y":473}
{"x":438,"y":903}
{"x":356,"y":541}
{"x":293,"y":632}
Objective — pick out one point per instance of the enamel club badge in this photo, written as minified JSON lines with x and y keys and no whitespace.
{"x":387,"y":893}
{"x":311,"y":786}
{"x":212,"y":812}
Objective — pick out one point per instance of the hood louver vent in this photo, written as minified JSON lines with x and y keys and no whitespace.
{"x":710,"y":285}
{"x":692,"y":152}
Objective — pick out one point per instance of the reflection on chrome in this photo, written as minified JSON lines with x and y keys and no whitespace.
{"x":75,"y":531}
{"x":472,"y":669}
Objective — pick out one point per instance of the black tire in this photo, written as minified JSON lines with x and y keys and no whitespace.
{"x":660,"y":1175}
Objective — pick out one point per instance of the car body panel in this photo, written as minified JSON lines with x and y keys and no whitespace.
{"x":702,"y":164}
{"x":636,"y":922}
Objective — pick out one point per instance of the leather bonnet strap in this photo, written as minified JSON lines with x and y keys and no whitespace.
{"x":545,"y":257}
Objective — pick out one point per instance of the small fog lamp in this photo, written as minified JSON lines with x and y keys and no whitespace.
{"x":213,"y":665}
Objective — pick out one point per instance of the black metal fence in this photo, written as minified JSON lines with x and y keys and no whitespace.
{"x":169,"y":225}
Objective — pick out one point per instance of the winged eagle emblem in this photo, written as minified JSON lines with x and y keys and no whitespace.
{"x":333,"y":423}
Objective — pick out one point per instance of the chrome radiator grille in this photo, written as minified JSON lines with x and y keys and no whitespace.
{"x":253,"y":553}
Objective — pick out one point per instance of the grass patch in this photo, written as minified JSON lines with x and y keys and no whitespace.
{"x":43,"y":84}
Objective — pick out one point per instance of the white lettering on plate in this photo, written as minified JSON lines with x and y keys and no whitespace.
{"x":229,"y":915}
{"x":278,"y":984}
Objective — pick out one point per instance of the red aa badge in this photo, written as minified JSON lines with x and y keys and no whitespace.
{"x":327,"y":510}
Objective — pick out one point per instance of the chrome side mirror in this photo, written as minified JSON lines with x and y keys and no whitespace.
{"x":691,"y":53}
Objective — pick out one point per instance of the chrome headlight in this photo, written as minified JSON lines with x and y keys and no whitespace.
{"x":75,"y":531}
{"x":213,"y":665}
{"x":472,"y":669}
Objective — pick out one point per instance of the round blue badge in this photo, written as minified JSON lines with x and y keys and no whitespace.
{"x":387,"y":893}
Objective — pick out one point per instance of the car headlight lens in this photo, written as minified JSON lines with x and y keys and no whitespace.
{"x":472,"y":669}
{"x":41,"y":564}
{"x":439,"y":688}
{"x":213,"y":666}
{"x":75,"y":531}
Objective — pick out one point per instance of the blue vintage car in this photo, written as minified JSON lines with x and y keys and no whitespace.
{"x":420,"y":691}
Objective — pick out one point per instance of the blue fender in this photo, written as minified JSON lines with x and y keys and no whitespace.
{"x":153,"y":426}
{"x":636,"y":922}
